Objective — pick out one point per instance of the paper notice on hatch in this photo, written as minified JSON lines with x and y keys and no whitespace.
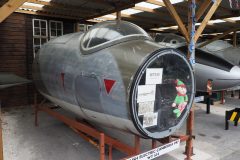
{"x":154,"y":75}
{"x":145,"y":107}
{"x":150,"y":119}
{"x":146,"y":93}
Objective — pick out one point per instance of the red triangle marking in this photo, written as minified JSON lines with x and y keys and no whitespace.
{"x":109,"y":84}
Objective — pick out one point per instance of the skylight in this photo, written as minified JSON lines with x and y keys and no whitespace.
{"x":173,"y":1}
{"x":28,"y":9}
{"x":33,"y":4}
{"x":130,"y":11}
{"x":234,"y":18}
{"x":216,"y":21}
{"x":147,"y":5}
{"x":46,"y":0}
{"x":109,"y":16}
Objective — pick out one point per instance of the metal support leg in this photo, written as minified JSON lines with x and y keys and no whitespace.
{"x":189,"y":131}
{"x":226,"y":121}
{"x":102,"y":147}
{"x":236,"y":123}
{"x":232,"y":94}
{"x":222,"y":97}
{"x":110,"y":152}
{"x":154,"y":144}
{"x":239,"y":94}
{"x":36,"y":109}
{"x":137,"y":144}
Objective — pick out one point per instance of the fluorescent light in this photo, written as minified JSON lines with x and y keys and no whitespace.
{"x":27,"y":9}
{"x":147,"y":5}
{"x":33,"y":4}
{"x":173,"y":1}
{"x":206,"y":34}
{"x":46,"y":0}
{"x":109,"y":16}
{"x":216,"y":21}
{"x":165,"y":28}
{"x":234,"y":18}
{"x":130,"y":11}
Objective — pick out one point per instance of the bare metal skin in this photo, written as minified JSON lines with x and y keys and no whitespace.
{"x":96,"y":76}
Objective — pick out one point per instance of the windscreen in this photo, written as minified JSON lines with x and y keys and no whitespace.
{"x":109,"y":31}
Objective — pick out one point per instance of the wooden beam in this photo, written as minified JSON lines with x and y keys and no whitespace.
{"x":138,"y":18}
{"x":9,"y":7}
{"x":1,"y":137}
{"x":47,"y":15}
{"x":234,"y":39}
{"x":206,"y":19}
{"x":219,"y":37}
{"x":66,"y":7}
{"x":52,"y":11}
{"x":118,"y":17}
{"x":176,"y":17}
{"x":156,"y":2}
{"x":202,"y":9}
{"x":115,"y":9}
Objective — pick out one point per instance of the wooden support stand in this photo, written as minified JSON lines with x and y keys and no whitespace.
{"x":90,"y":134}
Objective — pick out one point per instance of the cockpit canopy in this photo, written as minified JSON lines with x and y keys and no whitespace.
{"x":110,"y":31}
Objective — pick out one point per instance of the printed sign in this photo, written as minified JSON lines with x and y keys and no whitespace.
{"x":199,"y":99}
{"x":145,"y":107}
{"x":146,"y":93}
{"x":154,"y":75}
{"x":157,"y":152}
{"x":150,"y":119}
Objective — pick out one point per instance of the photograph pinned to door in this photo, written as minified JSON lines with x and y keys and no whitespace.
{"x":145,"y":107}
{"x":150,"y":119}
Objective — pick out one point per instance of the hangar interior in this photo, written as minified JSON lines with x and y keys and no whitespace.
{"x":204,"y":32}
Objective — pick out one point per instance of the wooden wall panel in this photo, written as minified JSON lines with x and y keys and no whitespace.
{"x":16,"y":54}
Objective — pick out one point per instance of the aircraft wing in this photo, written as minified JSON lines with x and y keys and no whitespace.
{"x":9,"y":80}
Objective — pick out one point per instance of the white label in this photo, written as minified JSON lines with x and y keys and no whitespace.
{"x":150,"y":119}
{"x":154,"y":75}
{"x":157,"y":152}
{"x":146,"y":93}
{"x":145,"y":107}
{"x":199,"y":99}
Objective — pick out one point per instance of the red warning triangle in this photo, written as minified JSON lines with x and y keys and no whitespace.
{"x":109,"y":84}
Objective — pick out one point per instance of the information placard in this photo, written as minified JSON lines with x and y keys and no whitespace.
{"x":157,"y":152}
{"x":145,"y":107}
{"x":146,"y":93}
{"x":154,"y":75}
{"x":150,"y":119}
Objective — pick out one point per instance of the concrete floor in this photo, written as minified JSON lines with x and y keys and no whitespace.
{"x":53,"y":140}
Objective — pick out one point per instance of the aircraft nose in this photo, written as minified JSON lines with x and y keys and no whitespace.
{"x":235,"y":72}
{"x":234,"y":76}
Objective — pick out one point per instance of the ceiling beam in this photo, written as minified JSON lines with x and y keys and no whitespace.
{"x":206,"y":19}
{"x":68,"y":7}
{"x":178,"y":20}
{"x":219,"y":37}
{"x":234,"y":39}
{"x":115,"y":9}
{"x":9,"y":7}
{"x":52,"y":11}
{"x":46,"y":14}
{"x":202,"y":9}
{"x":156,"y":2}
